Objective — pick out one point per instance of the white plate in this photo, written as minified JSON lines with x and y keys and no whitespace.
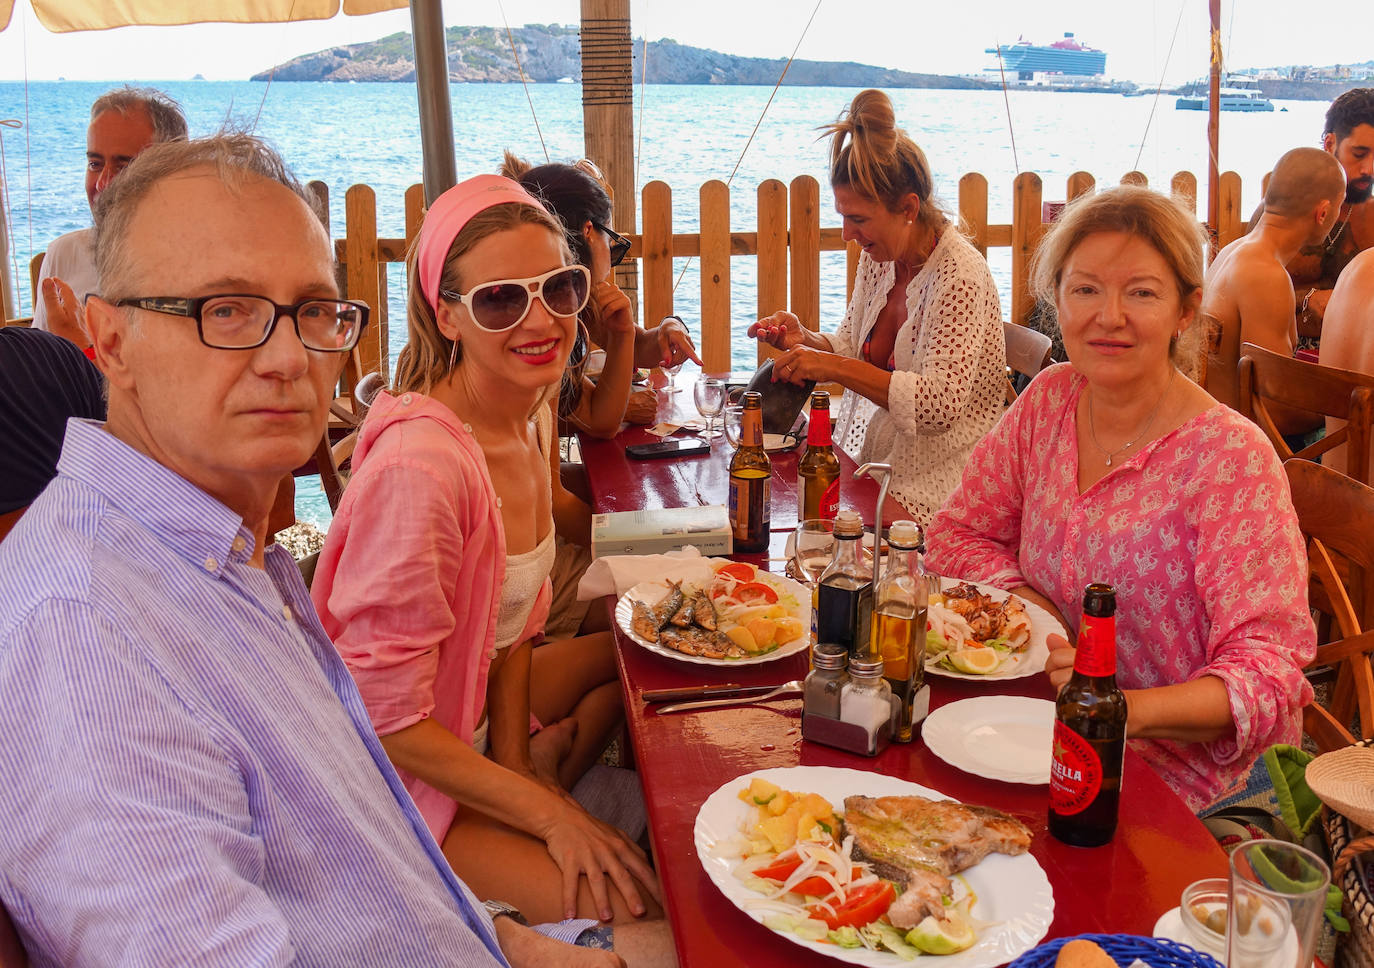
{"x":999,"y":737}
{"x":1026,"y":663}
{"x":1170,"y":928}
{"x":1013,"y":892}
{"x":775,"y":443}
{"x":649,"y":592}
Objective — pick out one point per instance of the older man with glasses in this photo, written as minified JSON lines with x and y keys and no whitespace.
{"x":188,"y":774}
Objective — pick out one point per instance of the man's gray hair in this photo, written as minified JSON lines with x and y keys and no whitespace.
{"x":237,"y":159}
{"x":169,"y":121}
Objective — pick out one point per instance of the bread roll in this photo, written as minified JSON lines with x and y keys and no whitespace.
{"x":1080,"y":953}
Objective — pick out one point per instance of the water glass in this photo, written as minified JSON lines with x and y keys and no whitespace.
{"x":709,"y":393}
{"x":1274,"y":905}
{"x":813,"y":545}
{"x":734,"y":413}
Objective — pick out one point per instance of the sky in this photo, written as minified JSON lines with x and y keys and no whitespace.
{"x":912,"y":35}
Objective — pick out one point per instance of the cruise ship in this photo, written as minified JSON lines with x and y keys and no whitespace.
{"x":1066,"y":56}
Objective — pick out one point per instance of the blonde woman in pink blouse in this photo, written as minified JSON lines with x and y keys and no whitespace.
{"x":1117,"y":467}
{"x":433,"y":582}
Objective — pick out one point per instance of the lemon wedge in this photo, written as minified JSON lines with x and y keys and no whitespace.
{"x":978,"y":662}
{"x":942,"y":936}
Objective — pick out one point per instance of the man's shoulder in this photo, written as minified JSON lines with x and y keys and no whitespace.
{"x":71,"y":246}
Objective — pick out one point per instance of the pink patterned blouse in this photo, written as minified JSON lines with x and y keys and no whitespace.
{"x":1196,"y":531}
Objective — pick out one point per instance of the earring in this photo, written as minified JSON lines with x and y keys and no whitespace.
{"x":453,"y":355}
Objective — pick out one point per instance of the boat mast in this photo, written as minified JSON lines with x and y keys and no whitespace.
{"x":1214,"y":126}
{"x":608,"y":110}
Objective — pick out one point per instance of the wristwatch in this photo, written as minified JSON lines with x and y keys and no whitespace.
{"x":500,"y":909}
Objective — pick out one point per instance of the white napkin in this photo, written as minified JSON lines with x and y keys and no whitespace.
{"x":617,"y":574}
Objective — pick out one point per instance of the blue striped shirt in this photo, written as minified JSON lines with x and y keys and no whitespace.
{"x":187,"y":773}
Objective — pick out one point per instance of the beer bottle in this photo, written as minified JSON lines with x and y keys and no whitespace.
{"x":818,"y":471}
{"x":1089,"y":731}
{"x":750,"y":474}
{"x":844,"y":599}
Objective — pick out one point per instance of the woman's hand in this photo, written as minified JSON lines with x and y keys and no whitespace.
{"x":1059,"y":663}
{"x":613,"y":307}
{"x":583,"y":846}
{"x":800,"y":364}
{"x":784,"y":331}
{"x":675,"y":343}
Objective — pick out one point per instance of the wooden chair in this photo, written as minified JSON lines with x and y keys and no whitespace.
{"x":1223,"y":353}
{"x":12,"y":954}
{"x":332,"y":456}
{"x":1267,"y":378}
{"x":1336,"y":515}
{"x":1028,"y":352}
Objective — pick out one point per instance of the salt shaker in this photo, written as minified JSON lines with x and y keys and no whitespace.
{"x":866,"y":699}
{"x":825,"y":681}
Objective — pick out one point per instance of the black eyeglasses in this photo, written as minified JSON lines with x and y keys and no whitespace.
{"x":240,"y":322}
{"x":619,"y":244}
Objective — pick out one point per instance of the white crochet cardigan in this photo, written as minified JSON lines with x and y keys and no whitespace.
{"x":948,"y":387}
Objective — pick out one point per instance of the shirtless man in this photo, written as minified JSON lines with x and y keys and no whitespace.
{"x":1349,"y":137}
{"x":1248,"y":292}
{"x":1348,"y":336}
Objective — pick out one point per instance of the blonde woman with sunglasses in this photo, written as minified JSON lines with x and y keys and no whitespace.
{"x":433,"y":582}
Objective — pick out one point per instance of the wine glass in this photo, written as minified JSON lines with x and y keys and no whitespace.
{"x":672,"y":372}
{"x":813,"y":547}
{"x":709,"y":393}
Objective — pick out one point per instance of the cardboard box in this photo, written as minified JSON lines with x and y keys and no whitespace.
{"x":665,"y":529}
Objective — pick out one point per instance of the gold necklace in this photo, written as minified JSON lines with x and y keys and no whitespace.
{"x":1092,"y":431}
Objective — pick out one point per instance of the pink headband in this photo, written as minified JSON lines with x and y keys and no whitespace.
{"x":450,"y":212}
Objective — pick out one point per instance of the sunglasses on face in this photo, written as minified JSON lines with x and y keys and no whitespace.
{"x":503,"y":304}
{"x":619,"y":244}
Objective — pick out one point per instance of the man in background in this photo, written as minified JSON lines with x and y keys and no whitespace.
{"x":187,"y":772}
{"x":1248,"y":294}
{"x":1348,"y":335}
{"x":123,"y":122}
{"x":1349,"y":137}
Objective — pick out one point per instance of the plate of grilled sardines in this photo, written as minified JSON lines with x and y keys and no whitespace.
{"x":740,"y":616}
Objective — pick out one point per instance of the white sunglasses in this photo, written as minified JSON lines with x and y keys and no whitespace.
{"x":503,"y":304}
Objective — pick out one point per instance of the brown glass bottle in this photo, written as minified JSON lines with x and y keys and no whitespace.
{"x":750,"y":476}
{"x":818,"y":471}
{"x":1089,"y":731}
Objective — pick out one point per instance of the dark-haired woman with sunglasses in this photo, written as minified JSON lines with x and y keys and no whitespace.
{"x":433,"y":582}
{"x":577,"y":194}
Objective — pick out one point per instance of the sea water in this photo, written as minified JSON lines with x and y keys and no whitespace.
{"x":348,"y":134}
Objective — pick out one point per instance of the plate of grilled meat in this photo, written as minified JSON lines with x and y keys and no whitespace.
{"x":874,"y":870}
{"x":741,"y":615}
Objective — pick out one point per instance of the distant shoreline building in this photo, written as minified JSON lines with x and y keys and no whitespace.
{"x":1063,"y":60}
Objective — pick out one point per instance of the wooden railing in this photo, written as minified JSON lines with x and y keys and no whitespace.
{"x":785,"y":243}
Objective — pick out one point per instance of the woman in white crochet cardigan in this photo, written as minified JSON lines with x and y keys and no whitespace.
{"x":920,"y":351}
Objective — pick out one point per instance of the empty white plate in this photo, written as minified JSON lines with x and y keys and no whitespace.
{"x":998,"y":737}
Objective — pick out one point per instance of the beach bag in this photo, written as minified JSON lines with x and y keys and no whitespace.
{"x":1344,"y":779}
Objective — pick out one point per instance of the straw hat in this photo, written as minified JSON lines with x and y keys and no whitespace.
{"x":1344,"y":780}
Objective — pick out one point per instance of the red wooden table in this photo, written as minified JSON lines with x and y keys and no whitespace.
{"x":1124,"y":887}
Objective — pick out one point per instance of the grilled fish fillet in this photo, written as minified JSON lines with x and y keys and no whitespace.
{"x":920,"y":843}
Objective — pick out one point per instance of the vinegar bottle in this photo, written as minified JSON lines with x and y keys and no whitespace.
{"x":1089,"y":731}
{"x":899,"y":629}
{"x":818,"y":471}
{"x":750,"y":475}
{"x":844,"y":600}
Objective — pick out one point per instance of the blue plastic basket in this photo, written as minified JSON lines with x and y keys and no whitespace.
{"x":1124,"y":948}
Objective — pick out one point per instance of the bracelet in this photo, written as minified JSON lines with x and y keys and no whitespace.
{"x":1302,"y":313}
{"x":675,"y":318}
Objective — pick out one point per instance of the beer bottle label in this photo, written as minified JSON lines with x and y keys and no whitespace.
{"x":1075,"y":772}
{"x":830,"y":500}
{"x":1096,"y":646}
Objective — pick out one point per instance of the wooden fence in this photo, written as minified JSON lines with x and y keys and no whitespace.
{"x":785,"y":243}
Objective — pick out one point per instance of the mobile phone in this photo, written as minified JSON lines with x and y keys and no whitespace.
{"x":671,"y":447}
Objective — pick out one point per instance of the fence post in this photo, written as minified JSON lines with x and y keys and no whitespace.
{"x":805,"y":245}
{"x":772,"y":255}
{"x":658,"y":251}
{"x":1231,"y":220}
{"x":1183,"y":188}
{"x":1136,"y":178}
{"x":1080,"y":183}
{"x":715,"y":277}
{"x":360,"y":259}
{"x":1026,"y":229}
{"x":973,"y":210}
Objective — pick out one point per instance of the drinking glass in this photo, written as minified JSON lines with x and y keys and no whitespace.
{"x":734,"y":413}
{"x":813,"y":545}
{"x":1274,"y":905}
{"x":709,"y":393}
{"x":672,"y":372}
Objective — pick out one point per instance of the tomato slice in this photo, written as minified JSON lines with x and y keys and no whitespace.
{"x":862,"y":906}
{"x":785,"y":864}
{"x":756,"y":592}
{"x":738,"y":570}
